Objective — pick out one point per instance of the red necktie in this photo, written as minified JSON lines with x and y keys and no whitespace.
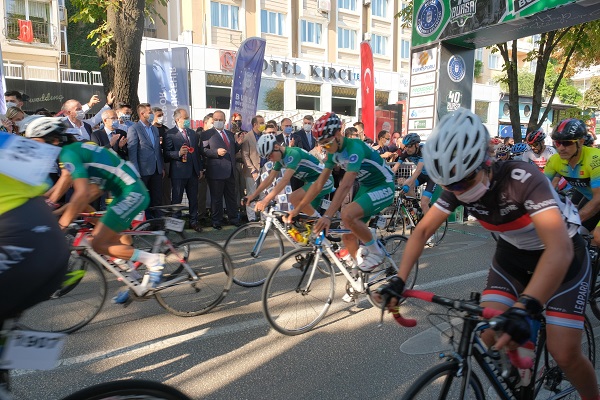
{"x":224,"y":135}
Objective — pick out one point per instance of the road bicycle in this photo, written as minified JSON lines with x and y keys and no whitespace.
{"x":300,"y":288}
{"x":456,"y":377}
{"x":594,"y":296}
{"x":196,"y":277}
{"x":169,"y":223}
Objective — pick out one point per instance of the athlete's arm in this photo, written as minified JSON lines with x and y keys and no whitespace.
{"x":263,"y":185}
{"x":60,"y":187}
{"x":77,"y":204}
{"x":415,"y":174}
{"x":592,"y":207}
{"x":285,"y":179}
{"x":341,"y":193}
{"x":312,"y":192}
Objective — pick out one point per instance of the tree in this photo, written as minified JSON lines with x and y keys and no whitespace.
{"x":117,"y":36}
{"x":274,"y":98}
{"x":591,"y":97}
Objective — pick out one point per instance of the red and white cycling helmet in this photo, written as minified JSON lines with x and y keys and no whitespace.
{"x":326,"y":126}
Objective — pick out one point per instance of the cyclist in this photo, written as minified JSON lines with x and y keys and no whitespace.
{"x":518,"y":150}
{"x":539,"y":153}
{"x":298,"y":163}
{"x":376,"y":190}
{"x":579,"y":165}
{"x":540,"y":258}
{"x":91,"y":170}
{"x":412,"y":152}
{"x":503,"y":152}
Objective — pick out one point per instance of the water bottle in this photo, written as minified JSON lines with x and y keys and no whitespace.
{"x":344,"y":256}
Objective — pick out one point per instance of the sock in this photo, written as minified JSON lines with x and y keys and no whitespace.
{"x":150,"y":259}
{"x":373,"y":247}
{"x":316,"y":214}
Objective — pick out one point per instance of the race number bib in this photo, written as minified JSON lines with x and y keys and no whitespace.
{"x":32,"y":350}
{"x":325,"y":204}
{"x":26,"y":160}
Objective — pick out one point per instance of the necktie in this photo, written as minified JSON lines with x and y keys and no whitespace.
{"x":185,"y":136}
{"x":308,"y":139}
{"x":224,"y":136}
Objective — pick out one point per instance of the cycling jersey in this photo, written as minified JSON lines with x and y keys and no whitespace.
{"x":517,"y":191}
{"x":414,"y":158}
{"x":539,"y":159}
{"x":15,"y":193}
{"x":586,"y":174}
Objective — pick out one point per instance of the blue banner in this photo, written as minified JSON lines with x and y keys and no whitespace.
{"x":167,"y":81}
{"x":246,"y":79}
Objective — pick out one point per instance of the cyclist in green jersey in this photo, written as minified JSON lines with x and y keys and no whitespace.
{"x":298,"y":163}
{"x":376,"y":190}
{"x":92,"y":169}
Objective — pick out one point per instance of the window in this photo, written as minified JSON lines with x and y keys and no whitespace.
{"x":308,"y":96}
{"x":494,"y":61}
{"x":479,"y":54}
{"x":481,"y":109}
{"x":38,"y":12}
{"x":224,"y":15}
{"x":343,"y":100}
{"x":270,"y":95}
{"x":404,"y":5}
{"x":271,"y":22}
{"x":405,"y":49}
{"x":347,"y":5}
{"x":218,"y":90}
{"x":310,"y":32}
{"x":379,"y":8}
{"x":346,"y":39}
{"x":379,"y":44}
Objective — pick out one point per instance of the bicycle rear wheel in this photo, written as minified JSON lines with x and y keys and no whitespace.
{"x":72,"y":306}
{"x":444,"y":382}
{"x":129,"y":389}
{"x":145,"y":242}
{"x":250,"y":268}
{"x":210,"y":263}
{"x":298,"y":293}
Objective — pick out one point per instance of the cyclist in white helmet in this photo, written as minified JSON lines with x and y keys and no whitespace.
{"x":540,"y":261}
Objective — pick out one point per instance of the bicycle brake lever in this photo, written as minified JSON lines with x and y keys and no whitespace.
{"x":386,"y":301}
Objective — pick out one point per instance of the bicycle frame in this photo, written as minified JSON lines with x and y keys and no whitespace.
{"x":270,"y":220}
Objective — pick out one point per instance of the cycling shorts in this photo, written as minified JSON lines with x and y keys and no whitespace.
{"x":374,"y":199}
{"x":34,"y":256}
{"x":125,"y":207}
{"x":327,"y":188}
{"x":429,"y":185}
{"x":512,"y":269}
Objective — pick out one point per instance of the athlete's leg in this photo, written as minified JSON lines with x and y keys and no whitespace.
{"x":295,"y":198}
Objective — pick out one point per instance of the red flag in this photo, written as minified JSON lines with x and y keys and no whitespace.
{"x":25,"y":31}
{"x":367,"y":89}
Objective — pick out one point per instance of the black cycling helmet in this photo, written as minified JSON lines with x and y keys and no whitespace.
{"x":589,"y":140}
{"x":569,"y":129}
{"x":535,"y":136}
{"x":411,"y":139}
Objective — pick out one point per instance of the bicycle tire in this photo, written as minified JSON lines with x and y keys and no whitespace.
{"x":156,"y":224}
{"x":594,"y":297}
{"x":128,"y":389}
{"x":73,"y":306}
{"x":289,"y":308}
{"x":436,"y":383}
{"x":213,"y":268}
{"x":551,"y":375}
{"x":251,"y":270}
{"x":439,"y":234}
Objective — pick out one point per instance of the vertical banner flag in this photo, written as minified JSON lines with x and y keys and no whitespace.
{"x":2,"y":86}
{"x":167,"y":81}
{"x":25,"y":31}
{"x":246,"y":79}
{"x":367,"y":89}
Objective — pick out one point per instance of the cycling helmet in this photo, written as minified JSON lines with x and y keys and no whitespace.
{"x":496,"y":141}
{"x":265,"y":145}
{"x":519,"y":148}
{"x":411,"y":139}
{"x":535,"y":136}
{"x":503,"y":149}
{"x":326,"y":126}
{"x":24,"y":123}
{"x":569,"y":129}
{"x":456,"y":148}
{"x":589,"y":140}
{"x":44,"y":126}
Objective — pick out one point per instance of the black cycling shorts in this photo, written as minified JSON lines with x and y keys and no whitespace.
{"x":33,"y":257}
{"x":429,"y":185}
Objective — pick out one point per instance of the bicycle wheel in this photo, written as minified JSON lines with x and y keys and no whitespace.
{"x":444,"y":381}
{"x":145,"y":242}
{"x":594,"y":298}
{"x":129,"y":389}
{"x":297,"y":294}
{"x":250,"y":268}
{"x":72,"y":306}
{"x":439,"y":234}
{"x":210,"y":263}
{"x":550,"y":381}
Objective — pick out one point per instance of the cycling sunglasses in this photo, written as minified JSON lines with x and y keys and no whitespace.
{"x":564,"y":143}
{"x":463,"y":184}
{"x":327,"y":144}
{"x":501,"y":154}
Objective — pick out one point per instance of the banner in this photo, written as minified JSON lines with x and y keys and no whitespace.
{"x":2,"y":86}
{"x":167,"y":81}
{"x":25,"y":31}
{"x":246,"y":79}
{"x":367,"y":89}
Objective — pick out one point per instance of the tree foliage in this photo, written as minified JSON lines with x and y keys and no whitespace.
{"x":591,"y":98}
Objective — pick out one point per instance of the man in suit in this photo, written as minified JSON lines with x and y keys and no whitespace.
{"x":203,"y":193}
{"x":285,"y":137}
{"x":109,"y":136}
{"x":73,"y":110}
{"x":143,"y":144}
{"x":220,"y":147}
{"x":180,"y":148}
{"x":162,"y":131}
{"x":251,"y":160}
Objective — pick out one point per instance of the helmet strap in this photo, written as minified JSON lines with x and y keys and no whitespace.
{"x":577,"y":153}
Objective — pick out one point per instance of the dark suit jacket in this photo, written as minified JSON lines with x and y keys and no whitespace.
{"x":100,"y":137}
{"x":87,"y":127}
{"x":146,"y":158}
{"x":219,"y":167}
{"x":172,"y":142}
{"x":281,"y":139}
{"x":300,"y":140}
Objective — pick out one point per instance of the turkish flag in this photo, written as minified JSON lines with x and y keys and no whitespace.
{"x":25,"y":31}
{"x":367,"y":89}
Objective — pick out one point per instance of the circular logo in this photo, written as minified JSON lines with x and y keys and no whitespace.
{"x":456,"y":68}
{"x":289,"y":159}
{"x":353,"y":158}
{"x":429,"y":17}
{"x":69,"y":167}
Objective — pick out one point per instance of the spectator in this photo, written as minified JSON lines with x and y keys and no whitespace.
{"x":95,"y":99}
{"x":124,"y":114}
{"x":351,"y":133}
{"x":207,"y":123}
{"x":383,"y":146}
{"x":360,"y":127}
{"x":43,"y":111}
{"x":10,"y":122}
{"x":509,"y":141}
{"x":143,"y":145}
{"x":252,"y":161}
{"x":162,"y":130}
{"x":303,"y":138}
{"x":109,"y":136}
{"x":13,"y":98}
{"x":236,"y":123}
{"x":285,"y":137}
{"x":73,"y":110}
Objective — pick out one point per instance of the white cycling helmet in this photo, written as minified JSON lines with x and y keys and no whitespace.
{"x":456,"y":148}
{"x":44,"y":126}
{"x":265,"y":145}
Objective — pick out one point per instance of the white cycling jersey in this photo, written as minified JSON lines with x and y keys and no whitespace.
{"x":538,"y":159}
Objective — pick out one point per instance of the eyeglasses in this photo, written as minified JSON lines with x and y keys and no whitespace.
{"x":564,"y":143}
{"x":463,"y":184}
{"x":327,"y":144}
{"x":238,"y":121}
{"x":501,"y":155}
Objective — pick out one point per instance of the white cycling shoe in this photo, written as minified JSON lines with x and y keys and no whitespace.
{"x":370,"y":260}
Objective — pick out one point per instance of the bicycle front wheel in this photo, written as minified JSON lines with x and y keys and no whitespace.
{"x":184,"y":296}
{"x":129,"y":389}
{"x":251,"y":264}
{"x":298,"y":292}
{"x":74,"y":304}
{"x":444,"y":381}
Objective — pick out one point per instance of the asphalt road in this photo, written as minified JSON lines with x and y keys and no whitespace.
{"x":232,"y":353}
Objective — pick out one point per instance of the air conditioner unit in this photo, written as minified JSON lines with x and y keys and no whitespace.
{"x":366,"y":3}
{"x":324,"y":6}
{"x":367,"y":36}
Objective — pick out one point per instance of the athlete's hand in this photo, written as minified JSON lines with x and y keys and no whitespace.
{"x":392,"y":291}
{"x":288,"y":219}
{"x":322,"y":224}
{"x":516,"y":327}
{"x":260,"y":205}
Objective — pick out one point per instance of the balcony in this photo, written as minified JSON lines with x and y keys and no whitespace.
{"x":49,"y":74}
{"x":43,"y":32}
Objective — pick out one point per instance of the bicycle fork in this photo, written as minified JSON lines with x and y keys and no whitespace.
{"x":261,"y":238}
